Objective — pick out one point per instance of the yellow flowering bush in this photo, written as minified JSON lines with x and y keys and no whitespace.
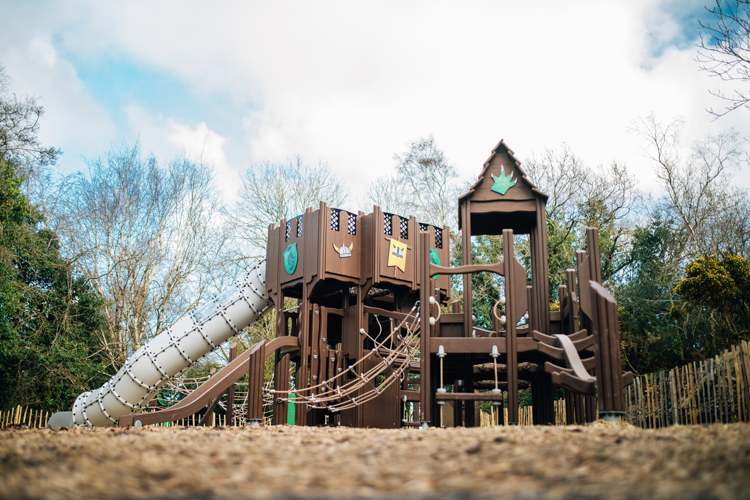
{"x":723,"y":288}
{"x":707,"y":282}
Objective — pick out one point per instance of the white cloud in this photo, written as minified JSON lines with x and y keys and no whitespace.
{"x":353,"y":83}
{"x":167,"y":138}
{"x":200,"y":142}
{"x":73,"y":119}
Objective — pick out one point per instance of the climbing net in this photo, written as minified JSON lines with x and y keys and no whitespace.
{"x":338,"y":393}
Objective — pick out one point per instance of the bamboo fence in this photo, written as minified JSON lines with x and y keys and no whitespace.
{"x":23,"y":415}
{"x":525,"y":416}
{"x":713,"y":390}
{"x":29,"y":417}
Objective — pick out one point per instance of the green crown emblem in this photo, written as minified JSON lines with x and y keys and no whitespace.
{"x":502,"y":183}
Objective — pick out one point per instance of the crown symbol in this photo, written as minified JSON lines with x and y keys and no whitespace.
{"x":502,"y":182}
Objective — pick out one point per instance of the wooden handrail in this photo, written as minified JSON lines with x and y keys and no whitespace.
{"x":212,"y":388}
{"x":498,"y":268}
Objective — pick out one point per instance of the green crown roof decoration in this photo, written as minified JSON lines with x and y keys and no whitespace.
{"x":502,"y":182}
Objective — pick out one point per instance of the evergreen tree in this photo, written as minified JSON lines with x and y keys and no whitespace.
{"x":653,"y":337}
{"x":49,"y":317}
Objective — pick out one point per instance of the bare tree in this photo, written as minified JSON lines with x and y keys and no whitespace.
{"x":559,"y":174}
{"x":19,"y":126}
{"x":725,"y":50}
{"x":580,"y":196}
{"x":710,"y":212}
{"x":391,"y":194}
{"x":147,"y":236}
{"x":273,"y":191}
{"x":431,"y":183}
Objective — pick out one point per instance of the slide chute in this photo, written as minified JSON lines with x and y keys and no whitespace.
{"x":174,"y":350}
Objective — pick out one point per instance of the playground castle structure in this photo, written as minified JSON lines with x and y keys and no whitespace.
{"x":370,"y":338}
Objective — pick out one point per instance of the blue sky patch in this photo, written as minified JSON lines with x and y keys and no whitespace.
{"x":117,"y":82}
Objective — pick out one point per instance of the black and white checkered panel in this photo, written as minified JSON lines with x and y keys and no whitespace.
{"x":404,"y":223}
{"x":438,"y":233}
{"x":352,"y":224}
{"x":299,"y":226}
{"x":335,"y":216}
{"x":387,"y":219}
{"x":288,"y":230}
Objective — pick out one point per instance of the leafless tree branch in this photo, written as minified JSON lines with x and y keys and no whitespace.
{"x":725,"y":51}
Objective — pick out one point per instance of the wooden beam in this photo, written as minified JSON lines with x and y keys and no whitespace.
{"x":479,"y":345}
{"x":409,"y":394}
{"x":468,"y":396}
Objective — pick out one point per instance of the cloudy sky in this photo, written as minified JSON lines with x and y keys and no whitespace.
{"x":353,"y":82}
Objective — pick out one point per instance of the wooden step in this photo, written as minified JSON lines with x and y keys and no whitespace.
{"x":468,"y":396}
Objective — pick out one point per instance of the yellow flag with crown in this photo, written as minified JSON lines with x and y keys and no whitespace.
{"x":397,"y":255}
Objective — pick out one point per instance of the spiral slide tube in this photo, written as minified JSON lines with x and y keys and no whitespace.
{"x":173,"y":351}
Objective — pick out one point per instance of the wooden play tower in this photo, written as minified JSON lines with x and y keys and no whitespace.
{"x":353,"y":274}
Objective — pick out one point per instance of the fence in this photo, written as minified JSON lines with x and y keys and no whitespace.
{"x":23,"y":416}
{"x":525,"y":415}
{"x":36,"y":418}
{"x":713,"y":390}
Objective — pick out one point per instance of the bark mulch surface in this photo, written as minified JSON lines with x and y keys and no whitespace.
{"x":597,"y":461}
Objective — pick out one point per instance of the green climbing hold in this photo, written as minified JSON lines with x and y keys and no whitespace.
{"x":434,"y":259}
{"x":290,"y":258}
{"x":502,"y":183}
{"x":291,"y":410}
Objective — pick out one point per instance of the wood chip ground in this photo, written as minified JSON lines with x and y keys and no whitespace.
{"x":612,"y":461}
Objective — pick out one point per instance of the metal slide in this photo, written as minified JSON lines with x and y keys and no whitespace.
{"x":170,"y":353}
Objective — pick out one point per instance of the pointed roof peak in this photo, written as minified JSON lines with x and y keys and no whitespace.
{"x":501,"y":148}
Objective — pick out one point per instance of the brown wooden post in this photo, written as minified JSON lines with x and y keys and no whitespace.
{"x":467,"y":416}
{"x":595,"y":261}
{"x":569,"y":408}
{"x":530,"y":306}
{"x":230,"y":391}
{"x":315,"y":344}
{"x":466,"y":260}
{"x":361,"y":324}
{"x":580,"y":413}
{"x":572,"y":324}
{"x":539,"y":309}
{"x":458,"y":414}
{"x":470,"y":419}
{"x":303,"y":367}
{"x":510,"y":325}
{"x":590,"y":405}
{"x":275,"y":264}
{"x":608,"y":358}
{"x":281,"y":382}
{"x":426,"y":395}
{"x":255,"y":384}
{"x":540,"y":268}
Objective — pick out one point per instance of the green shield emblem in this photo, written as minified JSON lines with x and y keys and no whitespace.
{"x":290,"y":258}
{"x":434,"y":259}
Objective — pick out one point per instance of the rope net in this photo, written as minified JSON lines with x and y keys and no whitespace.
{"x":338,"y":393}
{"x":349,"y":388}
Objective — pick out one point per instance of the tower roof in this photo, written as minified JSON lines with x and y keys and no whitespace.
{"x":502,"y":196}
